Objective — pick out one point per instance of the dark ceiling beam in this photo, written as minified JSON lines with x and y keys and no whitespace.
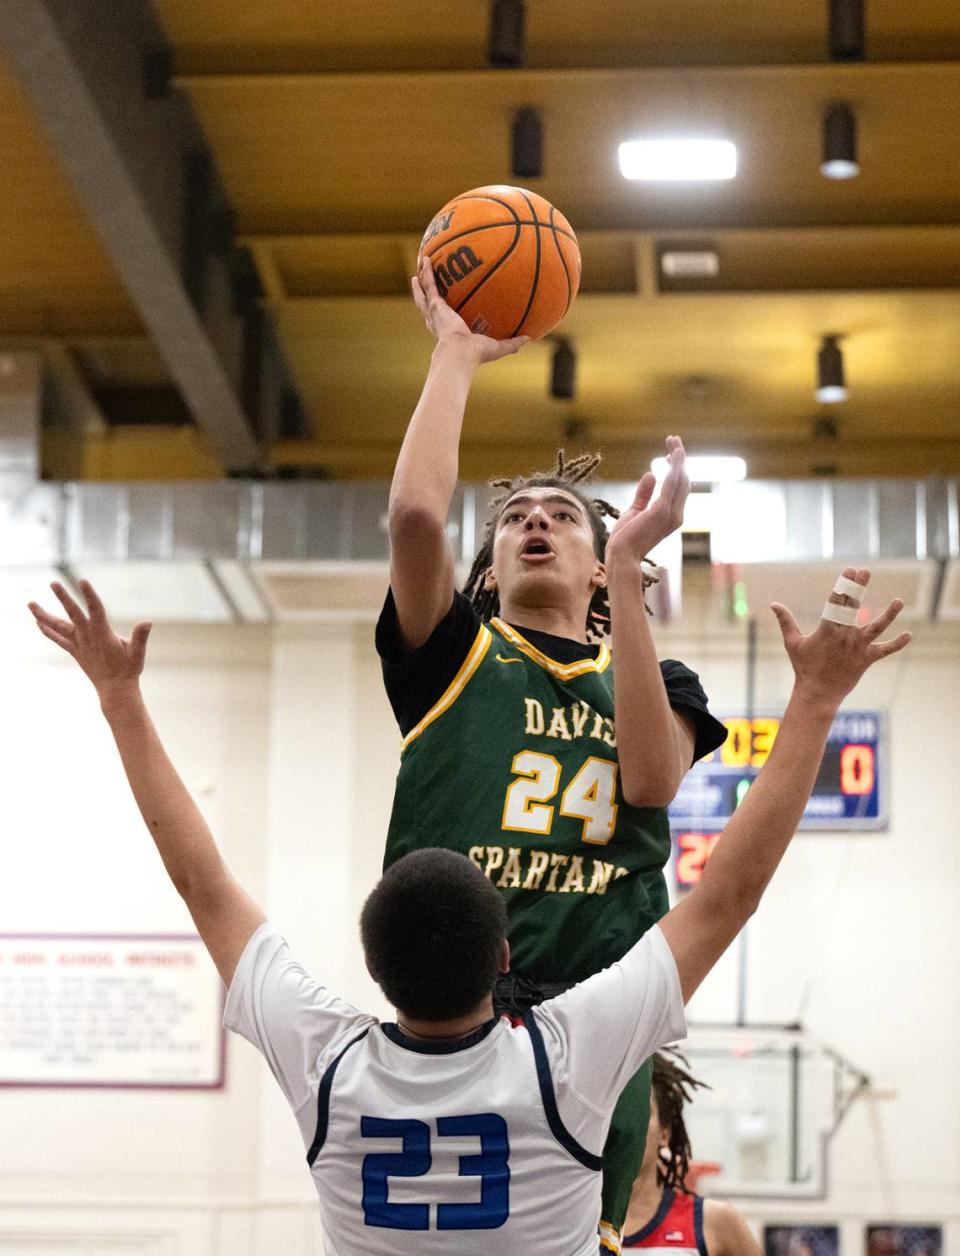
{"x":98,"y":75}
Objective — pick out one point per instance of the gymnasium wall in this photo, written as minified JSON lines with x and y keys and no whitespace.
{"x":288,"y":742}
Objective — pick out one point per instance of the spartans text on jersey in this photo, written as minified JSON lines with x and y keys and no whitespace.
{"x":521,"y":869}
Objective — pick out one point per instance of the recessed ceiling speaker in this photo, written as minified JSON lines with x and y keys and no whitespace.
{"x":847,"y":37}
{"x":507,"y":33}
{"x":526,"y":145}
{"x":563,"y":371}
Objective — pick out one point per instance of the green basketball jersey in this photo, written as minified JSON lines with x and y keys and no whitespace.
{"x":516,"y":767}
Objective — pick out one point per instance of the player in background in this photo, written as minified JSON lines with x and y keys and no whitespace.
{"x":401,"y":1120}
{"x":664,"y":1212}
{"x":518,"y":749}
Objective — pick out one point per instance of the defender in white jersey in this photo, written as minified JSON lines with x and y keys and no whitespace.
{"x":495,"y":1137}
{"x":451,"y":1132}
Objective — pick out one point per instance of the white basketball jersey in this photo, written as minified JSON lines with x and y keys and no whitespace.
{"x":486,"y":1145}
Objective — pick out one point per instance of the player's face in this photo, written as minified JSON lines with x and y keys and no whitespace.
{"x":543,"y":545}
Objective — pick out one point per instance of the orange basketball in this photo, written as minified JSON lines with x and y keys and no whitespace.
{"x":505,"y":260}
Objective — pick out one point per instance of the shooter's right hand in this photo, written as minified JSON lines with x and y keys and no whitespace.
{"x":447,"y":325}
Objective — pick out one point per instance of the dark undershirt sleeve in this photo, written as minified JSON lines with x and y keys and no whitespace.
{"x":686,"y":694}
{"x":416,"y":679}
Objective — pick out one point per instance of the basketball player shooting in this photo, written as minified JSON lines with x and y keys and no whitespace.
{"x":530,"y":745}
{"x":453,"y":1131}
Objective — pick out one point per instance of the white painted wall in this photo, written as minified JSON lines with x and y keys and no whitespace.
{"x":289,"y":742}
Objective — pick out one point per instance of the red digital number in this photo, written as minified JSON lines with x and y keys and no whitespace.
{"x":857,"y":775}
{"x":695,"y":849}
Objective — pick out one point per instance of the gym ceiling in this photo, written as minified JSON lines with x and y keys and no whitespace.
{"x":338,"y":128}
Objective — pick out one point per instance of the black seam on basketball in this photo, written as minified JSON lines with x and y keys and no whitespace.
{"x":496,"y":266}
{"x":488,"y":226}
{"x":563,"y":262}
{"x":536,"y":271}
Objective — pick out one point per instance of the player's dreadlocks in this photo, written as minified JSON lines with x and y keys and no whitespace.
{"x":565,"y":475}
{"x":673,"y":1086}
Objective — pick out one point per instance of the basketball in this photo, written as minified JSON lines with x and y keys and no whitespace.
{"x":505,"y":259}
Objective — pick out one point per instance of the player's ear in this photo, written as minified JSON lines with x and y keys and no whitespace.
{"x":599,"y":578}
{"x":489,"y":580}
{"x":504,"y":956}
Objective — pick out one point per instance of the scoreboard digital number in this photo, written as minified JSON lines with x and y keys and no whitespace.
{"x":849,"y":793}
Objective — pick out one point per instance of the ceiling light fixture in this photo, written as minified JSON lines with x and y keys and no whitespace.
{"x":678,"y":160}
{"x":507,"y":34}
{"x":840,"y":143}
{"x":831,"y":384}
{"x":706,"y":468}
{"x":847,"y":37}
{"x":563,"y":371}
{"x":690,"y":263}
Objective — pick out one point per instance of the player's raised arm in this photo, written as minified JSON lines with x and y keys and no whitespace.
{"x":655,"y":744}
{"x":421,"y":560}
{"x":223,"y":912}
{"x":827,"y":665}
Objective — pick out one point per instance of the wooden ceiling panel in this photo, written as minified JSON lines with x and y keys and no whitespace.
{"x":382,"y":265}
{"x":726,"y":371}
{"x":765,"y":260}
{"x":818,"y":258}
{"x":301,"y":36}
{"x":361,"y":153}
{"x":339,"y":128}
{"x":55,"y":278}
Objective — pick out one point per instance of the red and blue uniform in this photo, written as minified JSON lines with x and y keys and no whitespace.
{"x":676,"y":1227}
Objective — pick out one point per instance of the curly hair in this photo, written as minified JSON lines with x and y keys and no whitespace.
{"x":672,"y":1087}
{"x":565,"y":475}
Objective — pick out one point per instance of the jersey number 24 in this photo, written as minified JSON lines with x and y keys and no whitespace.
{"x":590,"y":796}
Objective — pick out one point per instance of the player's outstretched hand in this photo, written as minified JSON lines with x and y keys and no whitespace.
{"x":112,"y":662}
{"x":645,"y":522}
{"x":447,"y":325}
{"x":829,"y":661}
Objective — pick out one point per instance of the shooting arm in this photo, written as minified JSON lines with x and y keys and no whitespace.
{"x":421,"y":560}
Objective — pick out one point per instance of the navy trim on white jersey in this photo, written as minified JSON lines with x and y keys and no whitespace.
{"x":323,"y":1100}
{"x":438,"y":1046}
{"x":549,"y":1098}
{"x":698,"y":1226}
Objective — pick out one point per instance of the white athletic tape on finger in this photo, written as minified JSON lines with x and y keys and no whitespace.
{"x":837,"y":614}
{"x":850,"y":589}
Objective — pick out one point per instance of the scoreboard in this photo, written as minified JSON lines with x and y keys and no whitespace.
{"x":850,"y":792}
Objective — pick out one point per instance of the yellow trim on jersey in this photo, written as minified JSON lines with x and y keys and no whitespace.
{"x":610,"y":1237}
{"x":481,"y":644}
{"x":562,"y":671}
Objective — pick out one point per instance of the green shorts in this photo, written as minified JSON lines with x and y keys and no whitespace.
{"x":622,"y":1154}
{"x":627,"y":1137}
